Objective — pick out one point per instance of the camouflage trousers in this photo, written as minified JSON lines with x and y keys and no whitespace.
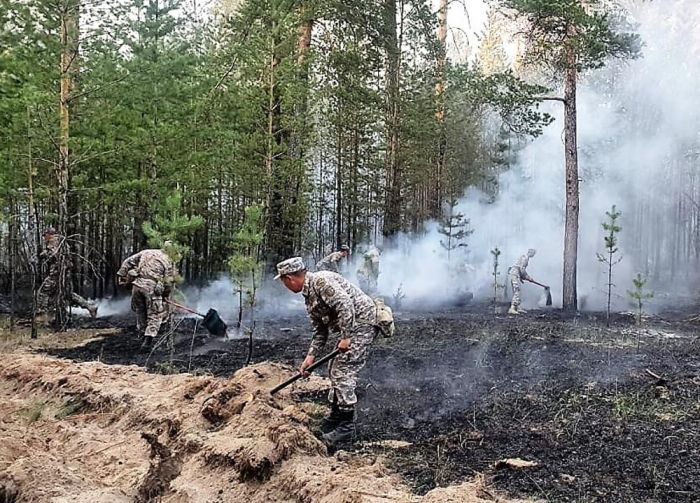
{"x":367,"y":284}
{"x":49,"y":290}
{"x":515,"y":283}
{"x":151,"y":311}
{"x":345,"y":367}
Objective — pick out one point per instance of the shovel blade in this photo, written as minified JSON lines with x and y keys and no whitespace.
{"x":214,"y":324}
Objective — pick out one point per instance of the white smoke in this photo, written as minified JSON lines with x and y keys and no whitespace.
{"x":634,"y":120}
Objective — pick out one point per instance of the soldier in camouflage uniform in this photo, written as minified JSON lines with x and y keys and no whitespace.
{"x":54,"y":246}
{"x":517,"y":274}
{"x":332,"y":262}
{"x":152,"y":274}
{"x":335,"y":304}
{"x":368,"y":273}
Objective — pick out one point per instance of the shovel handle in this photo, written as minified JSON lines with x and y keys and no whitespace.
{"x":184,"y":308}
{"x":310,"y":368}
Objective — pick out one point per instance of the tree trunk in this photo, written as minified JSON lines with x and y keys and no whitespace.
{"x":572,"y":186}
{"x":33,"y":229}
{"x":393,"y":203}
{"x":68,"y":33}
{"x":437,"y":180}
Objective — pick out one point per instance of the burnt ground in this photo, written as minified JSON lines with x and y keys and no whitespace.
{"x":609,"y":415}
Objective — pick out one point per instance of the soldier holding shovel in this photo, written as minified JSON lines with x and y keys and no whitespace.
{"x":517,"y":274}
{"x":333,"y":303}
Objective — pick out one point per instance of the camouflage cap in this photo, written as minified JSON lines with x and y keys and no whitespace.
{"x":290,"y":266}
{"x":531,"y":252}
{"x":344,"y":248}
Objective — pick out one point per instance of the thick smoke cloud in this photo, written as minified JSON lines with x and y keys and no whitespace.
{"x":635,"y":120}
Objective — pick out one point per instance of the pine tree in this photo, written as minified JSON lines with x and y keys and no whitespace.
{"x":455,"y":228}
{"x":639,"y":295}
{"x":569,"y":37}
{"x":612,"y":228}
{"x":246,"y":267}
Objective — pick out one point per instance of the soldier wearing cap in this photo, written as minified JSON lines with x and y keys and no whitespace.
{"x":152,"y":274}
{"x":517,"y":274}
{"x":331,"y":262}
{"x":56,"y":246}
{"x":334,"y":304}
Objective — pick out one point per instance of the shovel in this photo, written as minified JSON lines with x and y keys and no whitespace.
{"x":547,"y":292}
{"x":310,"y":368}
{"x":212,"y":321}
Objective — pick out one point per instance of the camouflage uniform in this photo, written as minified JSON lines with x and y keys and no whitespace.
{"x":331,"y":262}
{"x":368,"y":273}
{"x":517,"y":273}
{"x":333,"y":303}
{"x":153,"y":272}
{"x":54,"y":245}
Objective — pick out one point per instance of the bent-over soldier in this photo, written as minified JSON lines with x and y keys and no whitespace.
{"x":332,"y":261}
{"x":335,"y":304}
{"x":152,"y":274}
{"x":517,"y":274}
{"x":368,"y":272}
{"x":54,"y":245}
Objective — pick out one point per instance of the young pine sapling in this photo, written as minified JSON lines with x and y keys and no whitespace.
{"x":247,"y":268}
{"x":612,"y":228}
{"x":399,"y":295}
{"x":639,"y":295}
{"x":496,"y":285}
{"x":455,"y":228}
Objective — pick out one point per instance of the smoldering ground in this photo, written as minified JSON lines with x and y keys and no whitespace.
{"x":467,"y":388}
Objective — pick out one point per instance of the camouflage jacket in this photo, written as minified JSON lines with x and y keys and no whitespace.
{"x":370,"y":265}
{"x":520,"y":268}
{"x":150,"y":268}
{"x":52,"y":247}
{"x":330,"y":262}
{"x":333,"y":303}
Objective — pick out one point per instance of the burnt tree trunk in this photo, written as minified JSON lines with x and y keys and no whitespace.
{"x":572,"y":185}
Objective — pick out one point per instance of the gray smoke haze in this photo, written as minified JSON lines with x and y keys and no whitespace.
{"x":639,"y":125}
{"x":637,"y":121}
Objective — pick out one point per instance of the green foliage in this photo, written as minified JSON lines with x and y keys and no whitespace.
{"x":171,"y":225}
{"x":556,"y":28}
{"x":612,"y":228}
{"x":245,"y":265}
{"x":455,"y":228}
{"x":516,"y":101}
{"x":639,"y":295}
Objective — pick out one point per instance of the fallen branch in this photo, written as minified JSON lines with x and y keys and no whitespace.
{"x":99,"y":450}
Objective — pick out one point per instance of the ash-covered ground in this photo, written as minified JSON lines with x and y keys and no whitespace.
{"x":608,"y":414}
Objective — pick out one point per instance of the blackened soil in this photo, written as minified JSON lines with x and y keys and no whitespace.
{"x":468,"y":388}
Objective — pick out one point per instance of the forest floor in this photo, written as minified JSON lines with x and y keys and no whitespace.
{"x":608,"y":414}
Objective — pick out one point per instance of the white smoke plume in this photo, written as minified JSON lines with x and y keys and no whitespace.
{"x":635,"y":120}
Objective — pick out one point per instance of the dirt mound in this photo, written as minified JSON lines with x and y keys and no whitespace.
{"x":90,"y":432}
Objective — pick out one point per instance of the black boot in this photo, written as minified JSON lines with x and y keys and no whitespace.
{"x":332,"y":420}
{"x":344,"y":431}
{"x":147,"y":343}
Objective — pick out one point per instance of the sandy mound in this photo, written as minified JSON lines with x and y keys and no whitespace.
{"x":95,"y":433}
